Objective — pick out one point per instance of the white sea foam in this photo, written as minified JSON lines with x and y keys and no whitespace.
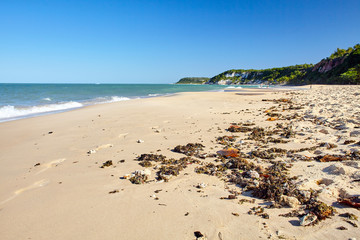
{"x":46,"y":99}
{"x":232,"y":87}
{"x":112,"y":99}
{"x":13,"y":112}
{"x":118,"y":99}
{"x":153,"y":94}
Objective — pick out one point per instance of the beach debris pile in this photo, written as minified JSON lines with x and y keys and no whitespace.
{"x":165,"y":168}
{"x":226,"y":140}
{"x":260,"y":168}
{"x":238,"y":128}
{"x":140,"y":176}
{"x":146,"y":159}
{"x":190,"y":149}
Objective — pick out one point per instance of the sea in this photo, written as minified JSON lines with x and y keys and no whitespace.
{"x":28,"y":100}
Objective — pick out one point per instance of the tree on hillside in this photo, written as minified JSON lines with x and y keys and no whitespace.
{"x":352,"y":76}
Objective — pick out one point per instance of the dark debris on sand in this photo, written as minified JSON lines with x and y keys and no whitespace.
{"x":273,"y":183}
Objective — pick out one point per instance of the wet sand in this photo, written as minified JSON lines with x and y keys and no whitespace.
{"x":52,"y":185}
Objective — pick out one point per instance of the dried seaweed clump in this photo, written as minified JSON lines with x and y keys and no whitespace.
{"x":286,"y":131}
{"x":277,"y":140}
{"x":166,"y":171}
{"x":211,"y":169}
{"x":355,"y":155}
{"x":107,"y":164}
{"x":237,"y":128}
{"x":151,"y":157}
{"x":170,"y":167}
{"x":331,"y":158}
{"x":138,"y":178}
{"x":320,"y":210}
{"x":281,"y":100}
{"x":259,"y":211}
{"x":146,"y":159}
{"x":191,"y":149}
{"x":270,"y":153}
{"x":257,"y":134}
{"x":145,"y":163}
{"x":346,"y":142}
{"x":184,"y":161}
{"x":275,"y":183}
{"x":240,"y":163}
{"x":226,"y":140}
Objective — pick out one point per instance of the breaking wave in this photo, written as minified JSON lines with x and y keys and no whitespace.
{"x":110,"y":99}
{"x":13,"y":112}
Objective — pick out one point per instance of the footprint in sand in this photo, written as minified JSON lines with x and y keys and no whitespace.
{"x":104,"y":146}
{"x":156,"y":129}
{"x":99,"y":148}
{"x":123,"y":135}
{"x":51,"y":164}
{"x":37,"y":184}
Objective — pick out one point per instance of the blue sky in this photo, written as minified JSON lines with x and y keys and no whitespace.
{"x":163,"y":41}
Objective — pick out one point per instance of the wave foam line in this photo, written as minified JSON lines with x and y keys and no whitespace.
{"x":112,"y":99}
{"x":11,"y":111}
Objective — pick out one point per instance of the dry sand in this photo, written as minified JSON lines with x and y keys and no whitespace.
{"x":52,"y":188}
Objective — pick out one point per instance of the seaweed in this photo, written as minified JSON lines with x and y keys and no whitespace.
{"x":138,"y":178}
{"x":276,"y":183}
{"x":191,"y":149}
{"x":257,"y":134}
{"x":259,"y":211}
{"x":331,"y":158}
{"x":226,"y":140}
{"x":107,"y":164}
{"x":237,"y":128}
{"x":145,"y":163}
{"x":165,"y":172}
{"x":346,"y":142}
{"x":349,"y":216}
{"x":321,"y":210}
{"x":151,"y":157}
{"x":271,"y":153}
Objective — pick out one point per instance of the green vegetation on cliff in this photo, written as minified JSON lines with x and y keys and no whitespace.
{"x":271,"y":76}
{"x":193,"y":80}
{"x":342,"y":67}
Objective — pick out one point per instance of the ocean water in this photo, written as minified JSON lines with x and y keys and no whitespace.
{"x":27,"y":100}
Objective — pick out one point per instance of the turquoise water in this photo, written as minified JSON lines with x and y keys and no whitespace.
{"x":25,"y":100}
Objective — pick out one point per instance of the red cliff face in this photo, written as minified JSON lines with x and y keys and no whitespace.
{"x":328,"y":64}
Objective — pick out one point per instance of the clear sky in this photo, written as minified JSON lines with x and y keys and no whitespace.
{"x":154,"y":41}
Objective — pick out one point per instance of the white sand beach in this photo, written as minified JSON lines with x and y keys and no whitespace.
{"x":52,"y":185}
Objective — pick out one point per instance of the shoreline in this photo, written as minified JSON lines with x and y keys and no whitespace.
{"x":120,"y":99}
{"x":52,"y":188}
{"x":11,"y":112}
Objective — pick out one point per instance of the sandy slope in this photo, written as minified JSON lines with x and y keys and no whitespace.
{"x":66,"y":196}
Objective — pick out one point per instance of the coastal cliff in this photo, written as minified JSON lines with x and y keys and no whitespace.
{"x":342,"y":67}
{"x":193,"y":80}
